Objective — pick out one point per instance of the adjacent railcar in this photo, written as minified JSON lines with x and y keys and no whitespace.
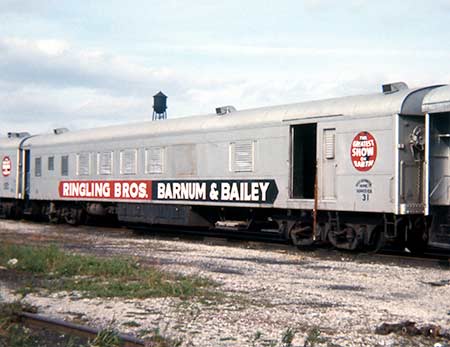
{"x":436,"y":106}
{"x":11,"y":178}
{"x":351,"y":171}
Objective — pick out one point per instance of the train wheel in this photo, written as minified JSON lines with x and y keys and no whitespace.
{"x":417,"y":237}
{"x":301,"y":234}
{"x":377,"y":241}
{"x":345,"y":238}
{"x":73,"y":216}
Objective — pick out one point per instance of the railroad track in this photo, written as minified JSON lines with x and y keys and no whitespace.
{"x":36,"y":321}
{"x":430,"y":257}
{"x":263,"y":241}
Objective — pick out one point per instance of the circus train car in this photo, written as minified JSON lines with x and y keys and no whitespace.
{"x":351,"y":171}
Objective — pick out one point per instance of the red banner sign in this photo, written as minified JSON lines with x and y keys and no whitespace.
{"x":6,"y":166}
{"x":363,"y":151}
{"x":112,"y":190}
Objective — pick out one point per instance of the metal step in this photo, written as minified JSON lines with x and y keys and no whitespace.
{"x":232,"y":225}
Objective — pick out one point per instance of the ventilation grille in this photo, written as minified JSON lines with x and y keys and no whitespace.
{"x":83,"y":164}
{"x":65,"y":165}
{"x":128,"y":162}
{"x":38,"y":167}
{"x":105,"y":163}
{"x":154,"y":159}
{"x":329,"y":140}
{"x":241,"y":156}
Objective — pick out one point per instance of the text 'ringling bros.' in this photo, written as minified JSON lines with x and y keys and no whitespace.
{"x":128,"y":190}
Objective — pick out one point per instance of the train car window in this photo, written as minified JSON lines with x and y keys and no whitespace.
{"x":154,"y":160}
{"x":128,"y":162}
{"x":38,"y":167}
{"x":105,"y":163}
{"x":65,"y":165}
{"x":51,"y":163}
{"x":241,"y":156}
{"x":83,"y":164}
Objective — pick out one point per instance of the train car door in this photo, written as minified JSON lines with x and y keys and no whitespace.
{"x":27,"y":175}
{"x":437,"y":188}
{"x":411,"y":158}
{"x":23,"y":178}
{"x":304,"y":142}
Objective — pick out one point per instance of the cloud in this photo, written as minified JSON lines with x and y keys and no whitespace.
{"x":26,"y":6}
{"x":55,"y":63}
{"x":214,"y":49}
{"x":315,"y":5}
{"x":50,"y":83}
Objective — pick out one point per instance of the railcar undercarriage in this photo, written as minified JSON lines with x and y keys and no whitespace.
{"x":343,"y":230}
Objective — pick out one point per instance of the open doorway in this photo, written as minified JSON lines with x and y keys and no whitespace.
{"x":304,"y":139}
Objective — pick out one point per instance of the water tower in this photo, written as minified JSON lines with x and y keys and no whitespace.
{"x":159,"y":106}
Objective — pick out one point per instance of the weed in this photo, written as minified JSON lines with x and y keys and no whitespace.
{"x":100,"y":277}
{"x":314,"y":338}
{"x":106,"y":338}
{"x":9,"y":313}
{"x":159,"y":340}
{"x":256,"y":337}
{"x":288,"y":337}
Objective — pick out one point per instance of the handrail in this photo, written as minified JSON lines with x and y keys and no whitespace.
{"x":438,"y":184}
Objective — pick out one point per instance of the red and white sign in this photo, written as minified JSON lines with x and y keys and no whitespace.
{"x":363,"y":151}
{"x":6,"y":166}
{"x":113,"y":190}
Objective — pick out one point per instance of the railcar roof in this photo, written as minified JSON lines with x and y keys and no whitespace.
{"x":408,"y":101}
{"x":437,"y":100}
{"x":9,"y":143}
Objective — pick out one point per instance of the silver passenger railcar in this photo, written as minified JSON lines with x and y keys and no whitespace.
{"x":352,"y":171}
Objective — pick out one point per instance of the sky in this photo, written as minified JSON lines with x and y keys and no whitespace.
{"x":83,"y":64}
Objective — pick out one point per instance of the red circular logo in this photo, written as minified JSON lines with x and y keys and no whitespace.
{"x":6,"y":166}
{"x":363,"y":151}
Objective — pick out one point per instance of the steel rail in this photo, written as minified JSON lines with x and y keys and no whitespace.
{"x":33,"y":320}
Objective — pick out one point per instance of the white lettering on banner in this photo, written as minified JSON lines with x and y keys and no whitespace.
{"x":264,"y":191}
{"x":223,"y":191}
{"x":134,"y":190}
{"x":181,"y":191}
{"x":244,"y":191}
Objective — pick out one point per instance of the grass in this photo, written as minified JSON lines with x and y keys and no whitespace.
{"x":56,"y":270}
{"x":106,"y":338}
{"x":14,"y":334}
{"x":159,"y":340}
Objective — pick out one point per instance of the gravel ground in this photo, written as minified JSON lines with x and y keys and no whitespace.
{"x":268,"y":291}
